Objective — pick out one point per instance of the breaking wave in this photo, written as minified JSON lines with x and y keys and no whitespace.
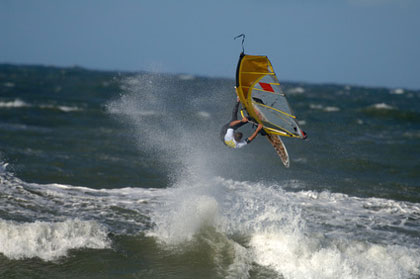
{"x":50,"y":240}
{"x":299,"y":235}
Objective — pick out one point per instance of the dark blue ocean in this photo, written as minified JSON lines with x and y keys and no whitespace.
{"x":123,"y":175}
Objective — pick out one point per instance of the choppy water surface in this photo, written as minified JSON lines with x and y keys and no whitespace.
{"x":108,"y":175}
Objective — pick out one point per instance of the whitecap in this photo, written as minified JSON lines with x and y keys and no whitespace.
{"x":315,"y":106}
{"x":331,"y":109}
{"x":398,"y":91}
{"x":295,"y":255}
{"x":383,"y":106}
{"x":326,"y":109}
{"x":185,"y":218}
{"x":49,"y":240}
{"x":3,"y":167}
{"x":68,"y":109}
{"x":296,"y":90}
{"x":60,"y":108}
{"x":14,"y":104}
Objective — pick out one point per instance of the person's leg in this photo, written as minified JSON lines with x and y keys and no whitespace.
{"x":235,"y":112}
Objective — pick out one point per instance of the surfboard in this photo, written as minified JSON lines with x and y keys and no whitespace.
{"x":277,"y":143}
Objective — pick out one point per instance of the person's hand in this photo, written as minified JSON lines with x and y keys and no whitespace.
{"x":244,"y":120}
{"x":260,"y":126}
{"x":237,"y":99}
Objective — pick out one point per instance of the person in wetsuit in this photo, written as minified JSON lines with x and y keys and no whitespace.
{"x":233,"y":138}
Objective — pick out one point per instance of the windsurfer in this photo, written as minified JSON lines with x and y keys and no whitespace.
{"x":233,"y":138}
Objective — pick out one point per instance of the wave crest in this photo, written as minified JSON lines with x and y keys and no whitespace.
{"x":50,"y":241}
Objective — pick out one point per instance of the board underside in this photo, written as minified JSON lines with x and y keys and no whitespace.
{"x":280,"y":148}
{"x":277,"y":143}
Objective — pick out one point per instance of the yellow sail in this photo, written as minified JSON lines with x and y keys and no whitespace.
{"x":259,"y":91}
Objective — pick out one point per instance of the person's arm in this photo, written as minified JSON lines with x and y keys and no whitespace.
{"x":236,"y":122}
{"x":252,"y":137}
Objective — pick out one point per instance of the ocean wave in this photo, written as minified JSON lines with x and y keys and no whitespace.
{"x":326,"y":109}
{"x":14,"y":104}
{"x":61,"y":108}
{"x":331,"y":109}
{"x":51,"y":202}
{"x":382,"y":106}
{"x":412,"y":134}
{"x":23,"y":127}
{"x":295,"y":234}
{"x":398,"y":91}
{"x":296,"y":255}
{"x":390,"y":111}
{"x":3,"y":167}
{"x":17,"y":103}
{"x":50,"y":240}
{"x":296,"y":91}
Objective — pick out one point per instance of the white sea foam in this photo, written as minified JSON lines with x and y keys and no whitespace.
{"x":398,"y":91}
{"x":316,"y":230}
{"x":383,"y":106}
{"x":3,"y":167}
{"x":298,"y":234}
{"x":14,"y":104}
{"x":187,"y":214}
{"x":49,"y":241}
{"x":331,"y":109}
{"x":326,"y":109}
{"x":304,"y":234}
{"x":301,"y":256}
{"x":142,"y":93}
{"x":315,"y":106}
{"x":17,"y":103}
{"x":69,"y":109}
{"x":61,"y":108}
{"x":296,"y":90}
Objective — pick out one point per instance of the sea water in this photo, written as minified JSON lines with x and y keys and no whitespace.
{"x":122,"y":175}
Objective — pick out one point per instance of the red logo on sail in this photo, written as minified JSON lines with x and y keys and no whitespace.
{"x":266,"y":87}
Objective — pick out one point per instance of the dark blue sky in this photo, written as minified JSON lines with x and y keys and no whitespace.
{"x":361,"y":42}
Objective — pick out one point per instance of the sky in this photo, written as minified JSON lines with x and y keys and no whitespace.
{"x":353,"y":42}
